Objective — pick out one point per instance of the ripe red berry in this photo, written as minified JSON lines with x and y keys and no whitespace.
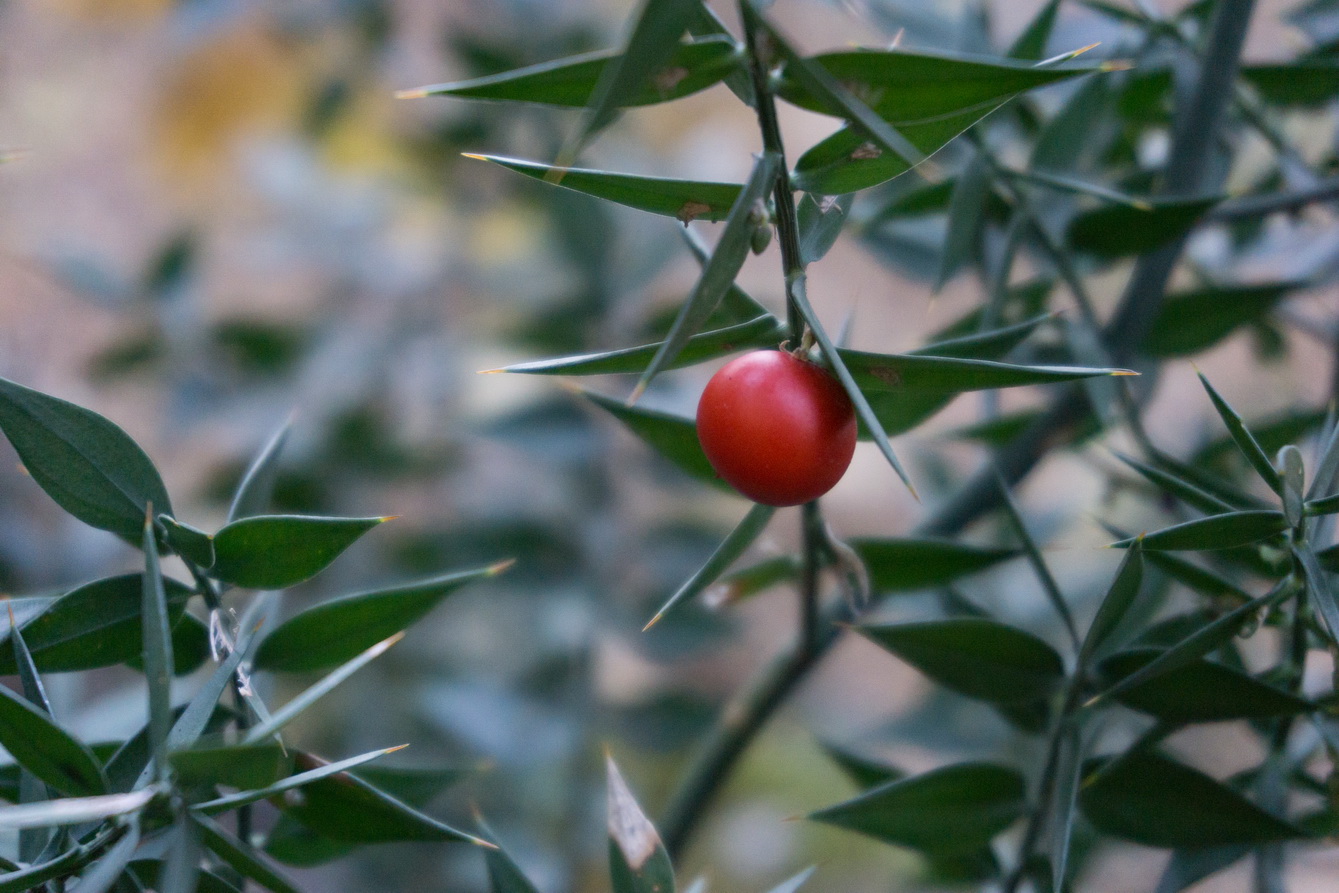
{"x":777,"y":428}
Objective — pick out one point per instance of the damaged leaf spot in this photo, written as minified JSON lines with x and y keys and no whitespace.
{"x":666,"y":80}
{"x":691,"y":211}
{"x":628,"y":825}
{"x":887,"y":375}
{"x":865,"y":152}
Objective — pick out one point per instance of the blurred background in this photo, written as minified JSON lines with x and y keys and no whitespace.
{"x":216,"y":215}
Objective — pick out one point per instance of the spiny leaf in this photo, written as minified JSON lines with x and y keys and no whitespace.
{"x":764,"y":331}
{"x":95,"y":625}
{"x":684,"y":200}
{"x":1193,"y":321}
{"x":293,"y":708}
{"x":88,"y":465}
{"x":673,"y":436}
{"x":338,"y":630}
{"x":1245,"y":440}
{"x":1199,"y":691}
{"x":955,"y":809}
{"x":719,"y":272}
{"x":651,"y":46}
{"x":348,"y":808}
{"x":907,"y":564}
{"x":733,"y":546}
{"x":1151,"y":799}
{"x":277,"y":551}
{"x":244,"y":858}
{"x":1113,"y":231}
{"x":1223,"y":531}
{"x":45,"y":749}
{"x":976,"y":657}
{"x":1119,"y":598}
{"x":915,"y":372}
{"x":1203,"y":641}
{"x":638,"y":862}
{"x":571,"y":81}
{"x":157,"y":651}
{"x":242,"y":798}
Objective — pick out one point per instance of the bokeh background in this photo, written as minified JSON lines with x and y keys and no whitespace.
{"x":215,"y":216}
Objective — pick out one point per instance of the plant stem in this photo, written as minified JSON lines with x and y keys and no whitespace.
{"x":787,"y":222}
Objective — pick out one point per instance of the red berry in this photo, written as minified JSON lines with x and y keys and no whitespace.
{"x":777,"y":428}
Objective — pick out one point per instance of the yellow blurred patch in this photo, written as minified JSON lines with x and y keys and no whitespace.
{"x":503,"y":234}
{"x":362,"y":138}
{"x":112,"y":10}
{"x":246,"y":82}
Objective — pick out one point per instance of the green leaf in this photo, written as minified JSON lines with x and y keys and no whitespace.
{"x":235,"y":765}
{"x":1189,"y":867}
{"x":1193,"y":321}
{"x":103,"y":874}
{"x":1215,"y":532}
{"x":1031,"y":43}
{"x":684,"y":200}
{"x":88,"y":465}
{"x":734,"y":545}
{"x":1116,"y":604}
{"x":242,"y":798}
{"x":906,"y":87}
{"x":673,"y":436}
{"x":95,"y":625}
{"x":1245,"y":440}
{"x":1297,"y":83}
{"x":821,"y":219}
{"x":290,"y":711}
{"x":955,"y":809}
{"x":966,"y":212}
{"x":1198,"y":691}
{"x":246,"y":859}
{"x":570,"y":82}
{"x":1113,"y":231}
{"x":157,"y":651}
{"x":1063,"y":805}
{"x":339,"y":630}
{"x":1320,"y":589}
{"x":350,"y":809}
{"x":975,"y":657}
{"x":830,"y":96}
{"x":181,"y":871}
{"x":1033,"y":552}
{"x":901,"y":373}
{"x":718,"y":274}
{"x":764,"y":331}
{"x":906,"y":565}
{"x":650,"y":49}
{"x":863,"y":771}
{"x":1203,"y":641}
{"x":1182,"y":489}
{"x":190,"y":543}
{"x":28,"y":879}
{"x":638,"y":862}
{"x":190,"y":725}
{"x":277,"y":551}
{"x":1151,"y":799}
{"x":504,"y":875}
{"x":848,"y":161}
{"x":45,"y":749}
{"x":73,"y":810}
